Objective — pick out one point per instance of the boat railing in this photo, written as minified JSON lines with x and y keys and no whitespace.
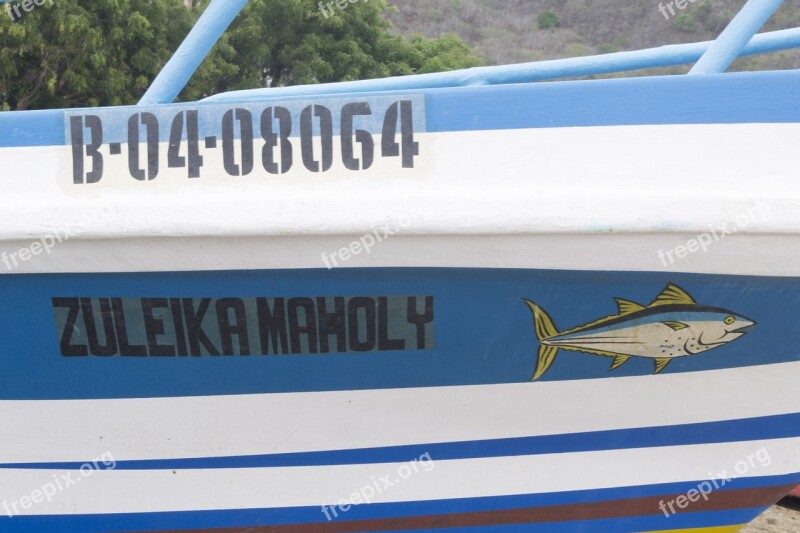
{"x":737,"y":40}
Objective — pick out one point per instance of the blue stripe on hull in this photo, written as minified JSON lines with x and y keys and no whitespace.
{"x":761,"y":97}
{"x":483,"y":331}
{"x":763,"y":428}
{"x":311,"y":515}
{"x":157,"y":523}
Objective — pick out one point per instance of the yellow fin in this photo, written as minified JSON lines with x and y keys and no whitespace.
{"x":661,"y":364}
{"x":671,"y":295}
{"x":619,"y":361}
{"x":544,"y":360}
{"x":676,"y":325}
{"x":542,"y":323}
{"x":627,"y":306}
{"x":544,"y":328}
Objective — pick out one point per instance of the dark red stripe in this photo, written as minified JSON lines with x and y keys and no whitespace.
{"x":721,"y":500}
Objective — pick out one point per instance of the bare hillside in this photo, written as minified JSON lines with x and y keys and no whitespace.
{"x":512,"y":31}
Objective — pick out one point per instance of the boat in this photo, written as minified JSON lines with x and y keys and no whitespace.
{"x":499,"y":299}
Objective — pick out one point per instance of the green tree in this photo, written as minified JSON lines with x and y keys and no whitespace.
{"x":108,"y":52}
{"x":73,"y":53}
{"x":295,"y":42}
{"x":547,"y":20}
{"x":448,"y":52}
{"x":685,"y":22}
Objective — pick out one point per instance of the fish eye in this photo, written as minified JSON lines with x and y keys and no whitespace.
{"x":729,"y":320}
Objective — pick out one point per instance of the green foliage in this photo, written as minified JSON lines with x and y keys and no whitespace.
{"x":703,"y":9}
{"x":448,"y":52}
{"x":684,"y":22}
{"x":107,"y":52}
{"x":606,"y":49}
{"x":86,"y":54}
{"x":577,"y":50}
{"x":296,"y":43}
{"x":547,"y":20}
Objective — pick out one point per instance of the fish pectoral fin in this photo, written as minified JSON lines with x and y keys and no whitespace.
{"x":676,"y":325}
{"x":619,"y":361}
{"x":661,"y":364}
{"x":671,"y":295}
{"x":626,"y":306}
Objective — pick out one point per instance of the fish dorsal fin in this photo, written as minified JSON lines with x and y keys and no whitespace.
{"x":661,"y":364}
{"x":619,"y":361}
{"x":676,"y":325}
{"x":627,"y":306}
{"x":671,"y":295}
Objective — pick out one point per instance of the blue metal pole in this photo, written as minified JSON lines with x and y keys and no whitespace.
{"x":183,"y":64}
{"x":676,"y":54}
{"x":730,"y":43}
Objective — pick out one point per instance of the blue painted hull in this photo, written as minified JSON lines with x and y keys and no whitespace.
{"x":203,"y":388}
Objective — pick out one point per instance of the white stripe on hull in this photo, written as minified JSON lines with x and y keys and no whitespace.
{"x":212,"y":426}
{"x":120,"y":491}
{"x":536,"y":198}
{"x":766,"y":255}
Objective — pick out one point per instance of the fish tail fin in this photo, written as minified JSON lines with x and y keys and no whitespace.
{"x":544,"y":327}
{"x":544,"y":360}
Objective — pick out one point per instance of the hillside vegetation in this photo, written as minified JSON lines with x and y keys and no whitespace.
{"x":513,"y":31}
{"x":107,"y":52}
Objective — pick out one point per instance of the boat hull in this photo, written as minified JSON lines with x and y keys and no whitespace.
{"x":325,"y":346}
{"x":417,"y":412}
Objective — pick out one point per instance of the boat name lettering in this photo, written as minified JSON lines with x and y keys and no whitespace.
{"x":175,"y":327}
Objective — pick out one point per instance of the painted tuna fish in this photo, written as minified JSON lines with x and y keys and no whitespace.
{"x":673,"y":325}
